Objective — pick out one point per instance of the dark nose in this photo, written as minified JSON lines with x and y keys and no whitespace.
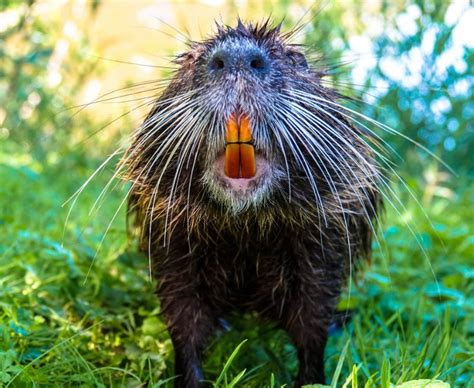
{"x":235,"y":60}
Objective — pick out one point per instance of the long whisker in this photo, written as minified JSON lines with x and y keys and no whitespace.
{"x":333,"y":143}
{"x":76,"y":195}
{"x":387,"y":186}
{"x":194,"y":134}
{"x":385,"y":161}
{"x":303,"y":163}
{"x":381,"y":126}
{"x":297,"y":128}
{"x":122,"y":163}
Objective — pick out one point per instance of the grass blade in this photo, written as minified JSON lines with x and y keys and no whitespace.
{"x":337,"y":372}
{"x":228,"y":363}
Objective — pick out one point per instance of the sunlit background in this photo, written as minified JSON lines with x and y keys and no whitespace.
{"x":97,"y":47}
{"x":76,"y":305}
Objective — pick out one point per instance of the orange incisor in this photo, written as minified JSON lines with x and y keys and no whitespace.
{"x":239,"y":151}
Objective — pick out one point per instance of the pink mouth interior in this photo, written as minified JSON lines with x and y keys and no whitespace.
{"x":240,"y":184}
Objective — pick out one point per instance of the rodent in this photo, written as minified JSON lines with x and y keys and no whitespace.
{"x":253,"y":191}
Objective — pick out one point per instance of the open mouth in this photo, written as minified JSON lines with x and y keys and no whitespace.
{"x":240,"y":159}
{"x":240,"y":167}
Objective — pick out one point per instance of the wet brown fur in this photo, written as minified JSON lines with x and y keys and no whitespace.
{"x":286,"y":258}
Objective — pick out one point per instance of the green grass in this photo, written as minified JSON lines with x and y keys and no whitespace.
{"x":412,"y":313}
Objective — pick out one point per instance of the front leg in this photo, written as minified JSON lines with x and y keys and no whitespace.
{"x":190,"y":317}
{"x":190,"y":323}
{"x":309,"y":303}
{"x":310,"y":342}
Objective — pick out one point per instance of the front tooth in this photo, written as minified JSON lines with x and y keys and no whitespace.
{"x":239,"y":158}
{"x":232,"y":132}
{"x":248,"y":166}
{"x":245,"y":129}
{"x":232,"y":161}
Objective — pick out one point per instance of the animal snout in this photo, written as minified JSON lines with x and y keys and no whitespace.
{"x":234,"y":60}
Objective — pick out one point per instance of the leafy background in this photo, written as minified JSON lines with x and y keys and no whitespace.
{"x":76,"y":304}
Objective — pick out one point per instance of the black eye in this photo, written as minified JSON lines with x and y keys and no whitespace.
{"x":297,"y":59}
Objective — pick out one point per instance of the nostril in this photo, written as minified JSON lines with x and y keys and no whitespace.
{"x":217,"y":63}
{"x":257,"y":63}
{"x":223,"y":61}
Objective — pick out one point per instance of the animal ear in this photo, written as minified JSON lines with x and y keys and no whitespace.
{"x":186,"y":57}
{"x":297,"y":58}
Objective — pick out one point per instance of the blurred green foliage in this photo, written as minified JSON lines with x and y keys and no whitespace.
{"x":420,"y":80}
{"x":436,"y":110}
{"x":413,"y":303}
{"x":39,"y":75}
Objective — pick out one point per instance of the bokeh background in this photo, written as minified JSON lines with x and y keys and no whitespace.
{"x":76,"y":303}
